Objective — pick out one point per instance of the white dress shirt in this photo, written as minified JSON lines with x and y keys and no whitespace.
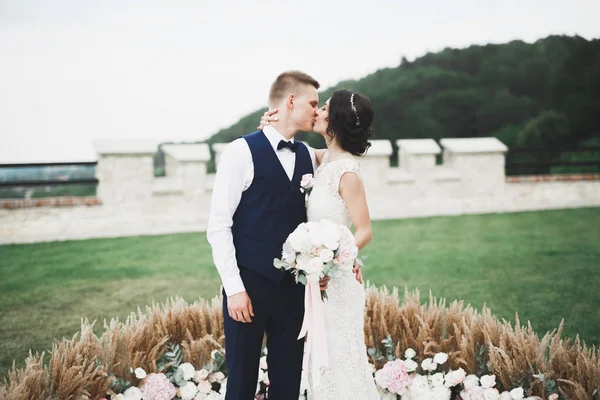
{"x":235,"y":173}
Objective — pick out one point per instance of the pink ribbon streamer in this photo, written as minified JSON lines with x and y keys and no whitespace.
{"x":313,"y":327}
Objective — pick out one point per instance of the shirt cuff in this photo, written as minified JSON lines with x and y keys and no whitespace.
{"x":234,"y":285}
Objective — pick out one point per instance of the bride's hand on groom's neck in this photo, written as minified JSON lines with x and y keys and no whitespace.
{"x":267,"y":118}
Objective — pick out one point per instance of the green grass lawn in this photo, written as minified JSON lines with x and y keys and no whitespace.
{"x":543,"y":265}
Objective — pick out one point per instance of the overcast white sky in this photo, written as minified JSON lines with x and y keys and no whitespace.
{"x":76,"y":70}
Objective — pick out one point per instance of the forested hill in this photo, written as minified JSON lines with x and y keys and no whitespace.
{"x":544,"y":94}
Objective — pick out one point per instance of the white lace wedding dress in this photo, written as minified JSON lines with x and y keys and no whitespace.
{"x":349,"y":375}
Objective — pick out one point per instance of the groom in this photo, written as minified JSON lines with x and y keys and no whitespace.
{"x":256,"y":204}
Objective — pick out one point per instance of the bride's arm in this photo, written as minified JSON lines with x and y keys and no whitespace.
{"x":319,"y":153}
{"x":352,"y":192}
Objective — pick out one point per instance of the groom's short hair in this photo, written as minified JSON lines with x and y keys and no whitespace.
{"x":286,"y":83}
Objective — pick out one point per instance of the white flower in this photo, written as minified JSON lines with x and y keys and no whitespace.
{"x":133,"y":393}
{"x":263,"y":363}
{"x":216,"y":377}
{"x":120,"y":397}
{"x":140,"y":373}
{"x":188,"y":391}
{"x":261,"y":374}
{"x":440,"y":393}
{"x":288,"y":254}
{"x":299,"y":239}
{"x":505,"y":396}
{"x":204,"y":387}
{"x":517,"y":394}
{"x":488,"y":381}
{"x":326,"y":255}
{"x":314,"y":268}
{"x":266,"y":379}
{"x":440,"y":358}
{"x":437,"y":379}
{"x":307,"y":181}
{"x":409,"y":353}
{"x":411,"y":366}
{"x":426,"y":364}
{"x":471,"y":381}
{"x":491,"y":393}
{"x":265,"y":351}
{"x":201,"y":375}
{"x":454,"y":378}
{"x":188,"y":371}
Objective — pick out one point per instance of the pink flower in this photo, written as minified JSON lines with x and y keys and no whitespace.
{"x":393,"y":376}
{"x":158,"y":387}
{"x":306,"y":183}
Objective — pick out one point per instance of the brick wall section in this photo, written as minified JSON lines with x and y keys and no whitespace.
{"x":49,"y":202}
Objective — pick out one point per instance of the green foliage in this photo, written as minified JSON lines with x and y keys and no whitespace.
{"x":543,"y":92}
{"x":169,"y":362}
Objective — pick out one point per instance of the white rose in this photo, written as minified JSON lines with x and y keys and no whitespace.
{"x":188,"y":371}
{"x":517,"y":394}
{"x":120,"y":397}
{"x":288,"y":254}
{"x":426,"y":364}
{"x":315,"y":266}
{"x":204,"y":387}
{"x":505,"y":396}
{"x":437,"y":379}
{"x":488,"y":381}
{"x":299,"y":240}
{"x":263,"y":363}
{"x":140,"y":373}
{"x":440,"y":393}
{"x":326,"y":255}
{"x":188,"y":391}
{"x":411,"y":365}
{"x":491,"y":393}
{"x":409,"y":353}
{"x":133,"y":393}
{"x":454,"y":378}
{"x":440,"y":358}
{"x":471,"y":381}
{"x":201,"y":375}
{"x":216,"y":377}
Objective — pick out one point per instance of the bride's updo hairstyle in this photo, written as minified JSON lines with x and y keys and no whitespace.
{"x":350,"y":119}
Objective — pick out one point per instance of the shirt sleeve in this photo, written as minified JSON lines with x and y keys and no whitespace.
{"x":230,"y":182}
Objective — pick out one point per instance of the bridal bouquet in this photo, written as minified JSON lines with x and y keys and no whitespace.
{"x":318,"y":249}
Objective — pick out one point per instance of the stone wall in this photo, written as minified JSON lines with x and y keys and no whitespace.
{"x":131,"y":201}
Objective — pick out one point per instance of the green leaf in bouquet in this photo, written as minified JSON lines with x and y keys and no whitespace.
{"x":218,"y":359}
{"x":279,"y":264}
{"x":302,"y":279}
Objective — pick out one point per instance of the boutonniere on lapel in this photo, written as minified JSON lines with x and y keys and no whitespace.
{"x":306,"y":186}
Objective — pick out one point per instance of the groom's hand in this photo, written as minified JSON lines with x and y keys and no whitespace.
{"x":240,"y":307}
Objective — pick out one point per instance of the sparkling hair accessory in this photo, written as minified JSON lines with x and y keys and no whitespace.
{"x":354,"y":109}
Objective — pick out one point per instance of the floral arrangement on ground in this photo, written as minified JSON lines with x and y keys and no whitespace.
{"x":418,"y":350}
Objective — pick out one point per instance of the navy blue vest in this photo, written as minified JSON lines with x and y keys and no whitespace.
{"x":270,"y":209}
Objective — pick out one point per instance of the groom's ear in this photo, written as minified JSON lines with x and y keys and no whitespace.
{"x":289,"y":103}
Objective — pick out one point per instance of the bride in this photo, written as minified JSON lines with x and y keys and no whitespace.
{"x":338,"y":195}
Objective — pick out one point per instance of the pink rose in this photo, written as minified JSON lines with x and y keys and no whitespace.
{"x":393,"y":377}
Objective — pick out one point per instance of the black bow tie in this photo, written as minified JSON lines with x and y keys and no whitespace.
{"x":292,"y":146}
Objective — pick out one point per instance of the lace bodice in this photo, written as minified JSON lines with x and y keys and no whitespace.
{"x":325,"y":201}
